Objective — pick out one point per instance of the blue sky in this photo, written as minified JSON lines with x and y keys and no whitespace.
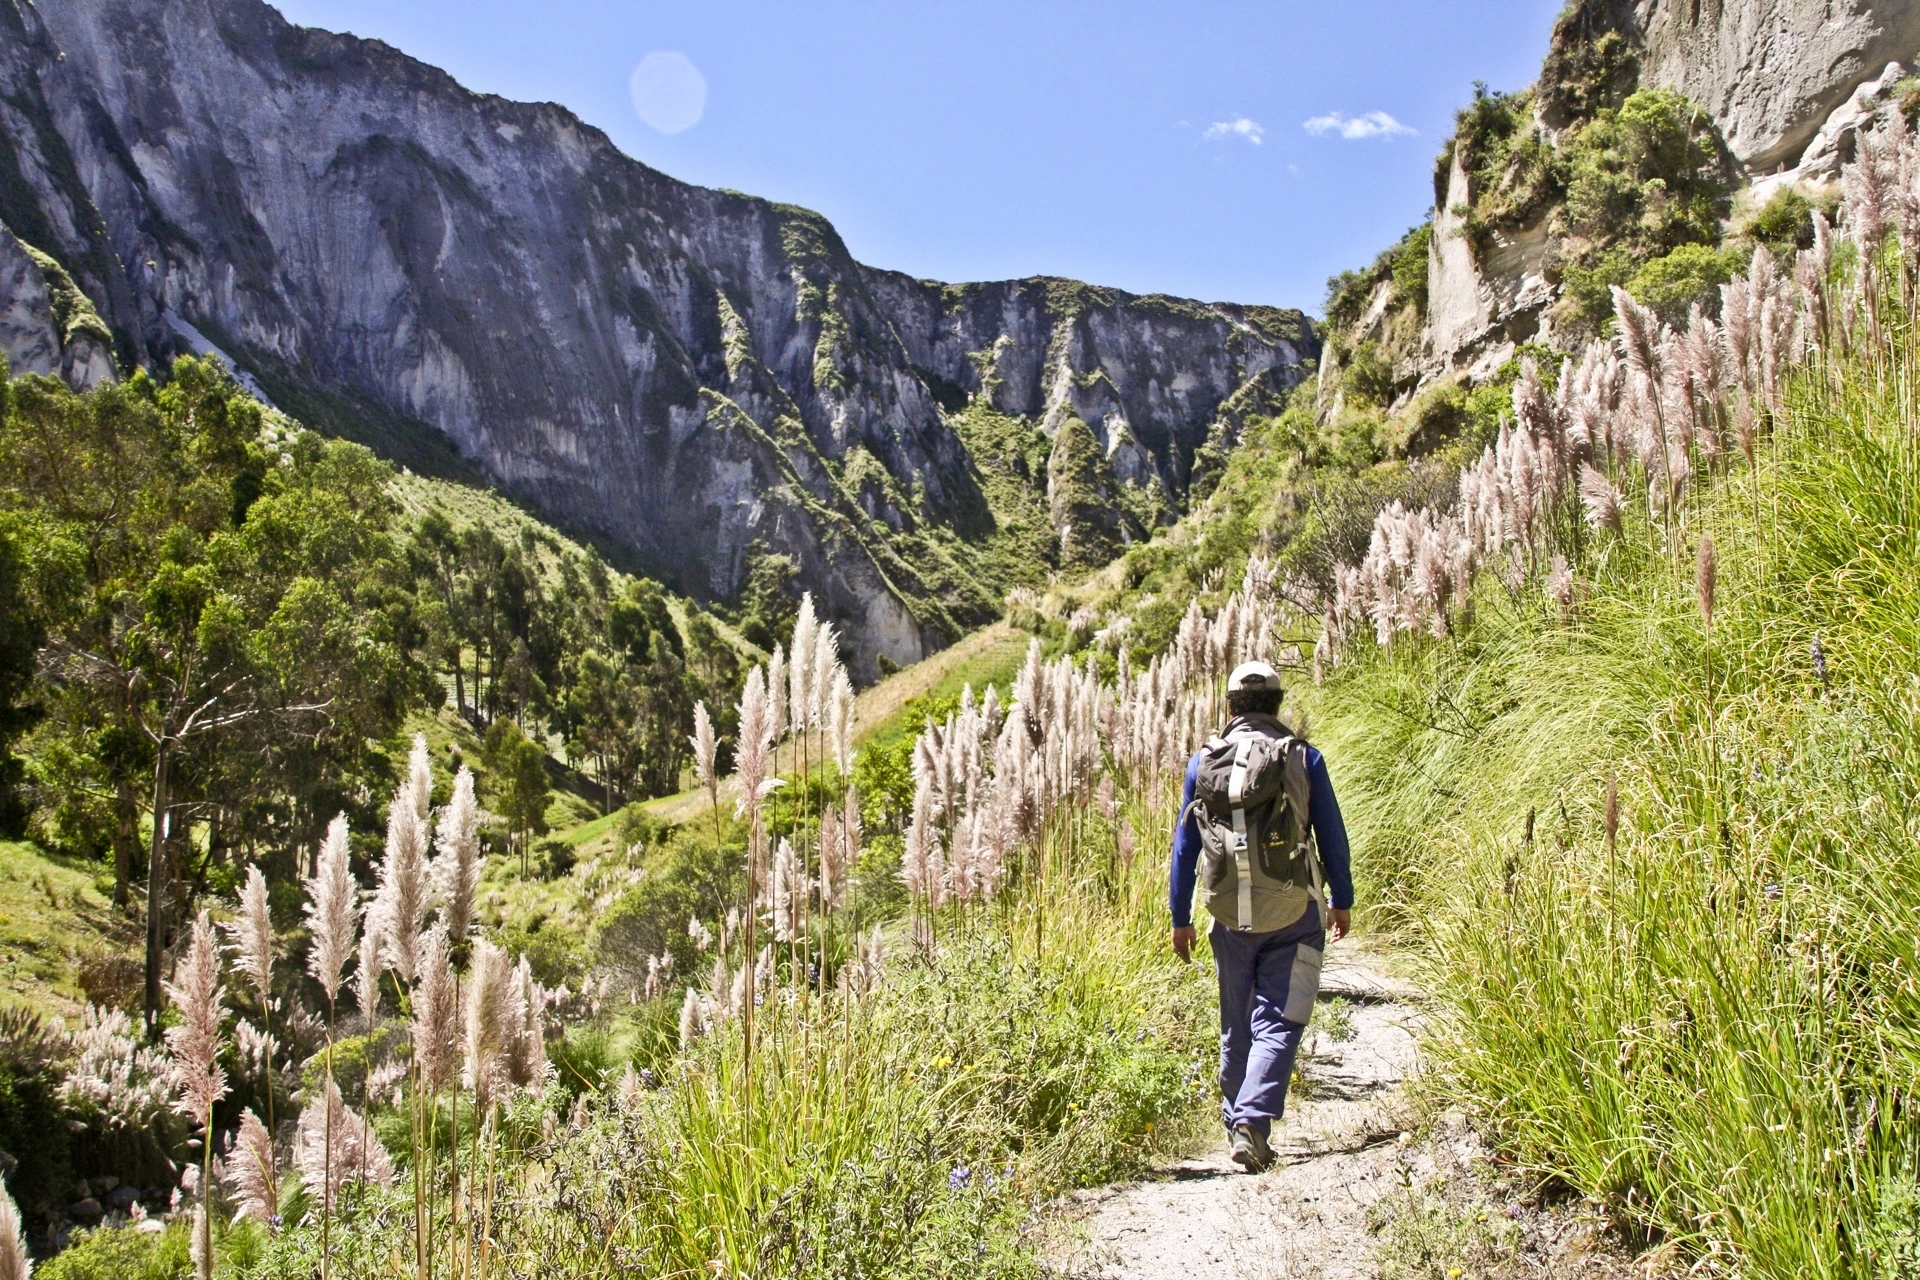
{"x":1219,"y":150}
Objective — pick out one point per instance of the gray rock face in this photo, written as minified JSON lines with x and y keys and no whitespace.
{"x":1770,"y":71}
{"x":27,"y":332}
{"x":683,"y":373}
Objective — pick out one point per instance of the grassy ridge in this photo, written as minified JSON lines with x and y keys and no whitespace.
{"x":1708,"y":1022}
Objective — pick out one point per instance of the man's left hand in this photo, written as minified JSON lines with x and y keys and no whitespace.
{"x":1339,"y":923}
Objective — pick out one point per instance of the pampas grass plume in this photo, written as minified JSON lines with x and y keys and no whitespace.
{"x":333,"y":910}
{"x":436,"y":1018}
{"x":489,"y":997}
{"x":1706,"y":574}
{"x":456,"y":871}
{"x":367,"y":974}
{"x":705,"y":748}
{"x":194,"y":1041}
{"x":403,"y":878}
{"x":251,"y":1177}
{"x":251,"y":935}
{"x":14,"y":1263}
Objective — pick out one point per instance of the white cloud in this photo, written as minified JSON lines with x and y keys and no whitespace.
{"x":1373,"y":124}
{"x":1238,"y":127}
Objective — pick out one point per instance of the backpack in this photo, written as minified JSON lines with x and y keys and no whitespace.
{"x":1258,"y":863}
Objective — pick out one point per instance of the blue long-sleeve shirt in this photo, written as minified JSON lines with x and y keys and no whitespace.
{"x":1329,"y":830}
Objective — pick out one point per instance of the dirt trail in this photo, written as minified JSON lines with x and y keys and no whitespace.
{"x":1352,"y":1193}
{"x":1339,"y":1151}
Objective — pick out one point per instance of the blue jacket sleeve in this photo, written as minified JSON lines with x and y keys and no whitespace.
{"x":1186,"y":854}
{"x":1329,"y":830}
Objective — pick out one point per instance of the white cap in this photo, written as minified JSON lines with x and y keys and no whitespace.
{"x":1256,"y":676}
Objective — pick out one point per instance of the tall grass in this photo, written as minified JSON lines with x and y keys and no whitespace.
{"x":1714,"y":1028}
{"x":915,"y":1132}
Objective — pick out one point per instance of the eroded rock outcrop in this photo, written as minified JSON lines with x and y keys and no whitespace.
{"x":1771,"y":71}
{"x":685,"y":374}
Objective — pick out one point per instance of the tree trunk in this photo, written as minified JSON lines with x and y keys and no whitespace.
{"x":127,"y":815}
{"x":459,"y":686}
{"x":157,"y":888}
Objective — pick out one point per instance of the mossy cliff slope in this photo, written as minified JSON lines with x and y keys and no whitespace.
{"x":698,"y":379}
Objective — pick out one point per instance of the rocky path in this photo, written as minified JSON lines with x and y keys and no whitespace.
{"x":1341,"y":1150}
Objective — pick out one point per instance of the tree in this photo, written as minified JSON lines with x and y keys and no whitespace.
{"x":519,"y":766}
{"x":234,"y":624}
{"x":21,"y":635}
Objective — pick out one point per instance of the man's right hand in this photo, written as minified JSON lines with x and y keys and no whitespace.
{"x":1183,"y":936}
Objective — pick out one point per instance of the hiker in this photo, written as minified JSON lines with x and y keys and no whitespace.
{"x":1261,"y":832}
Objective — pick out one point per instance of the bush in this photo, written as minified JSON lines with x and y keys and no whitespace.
{"x":1650,"y":175}
{"x":688,"y":876}
{"x":1512,"y":173}
{"x":1369,"y":376}
{"x":1692,"y":273}
{"x":1785,"y":223}
{"x":122,"y":1253}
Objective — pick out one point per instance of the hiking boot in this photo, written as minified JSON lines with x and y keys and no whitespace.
{"x":1250,"y":1149}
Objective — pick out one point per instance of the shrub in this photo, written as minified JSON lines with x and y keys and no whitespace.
{"x":122,"y":1253}
{"x":1785,"y":223}
{"x":1692,"y":273}
{"x":1590,"y":64}
{"x":1650,"y":175}
{"x":1369,"y":376}
{"x":1512,"y":173}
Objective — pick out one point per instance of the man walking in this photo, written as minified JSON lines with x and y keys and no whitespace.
{"x":1261,"y":833}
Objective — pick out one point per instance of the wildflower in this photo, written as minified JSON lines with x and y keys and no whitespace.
{"x":959,"y":1178}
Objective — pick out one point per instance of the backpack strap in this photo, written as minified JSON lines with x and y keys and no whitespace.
{"x":1299,"y":788}
{"x":1242,"y":864}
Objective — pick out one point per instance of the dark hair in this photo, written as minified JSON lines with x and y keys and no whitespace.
{"x":1251,"y":701}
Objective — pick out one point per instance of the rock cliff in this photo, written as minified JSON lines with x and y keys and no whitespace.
{"x":1785,"y":82}
{"x":1771,"y":71}
{"x":686,"y":375}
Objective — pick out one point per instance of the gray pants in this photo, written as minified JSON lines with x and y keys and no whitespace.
{"x":1268,"y":982}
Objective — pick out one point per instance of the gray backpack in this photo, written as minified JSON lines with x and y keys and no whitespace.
{"x":1258,"y":864}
